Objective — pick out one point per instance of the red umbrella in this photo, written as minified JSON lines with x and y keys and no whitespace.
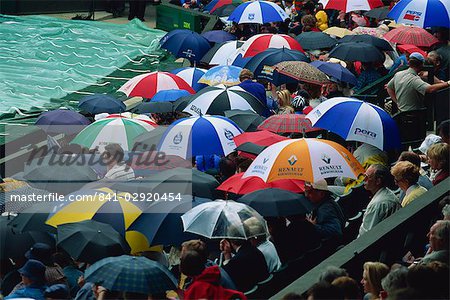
{"x":287,"y":123}
{"x":410,"y":49}
{"x":261,"y":138}
{"x":241,"y":186}
{"x":411,"y":35}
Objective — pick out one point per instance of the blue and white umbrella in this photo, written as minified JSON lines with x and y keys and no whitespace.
{"x":259,"y":12}
{"x":205,"y":135}
{"x":191,"y":75}
{"x":422,"y":13}
{"x":355,"y":120}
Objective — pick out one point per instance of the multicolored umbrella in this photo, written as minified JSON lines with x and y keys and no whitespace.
{"x":185,"y":43}
{"x":356,"y":120}
{"x":225,"y":11}
{"x":422,"y":13}
{"x":411,"y":35}
{"x":301,"y":71}
{"x":101,"y":103}
{"x":338,"y":31}
{"x":191,"y":76}
{"x":218,"y":36}
{"x":106,"y":131}
{"x":226,"y":75}
{"x":260,"y":42}
{"x":222,"y":54}
{"x":335,"y":71}
{"x":287,"y":123}
{"x":61,"y":121}
{"x":313,"y":40}
{"x":304,"y":159}
{"x":259,"y":12}
{"x":361,"y":51}
{"x":128,"y":115}
{"x":148,"y":84}
{"x":381,"y":44}
{"x":351,"y":5}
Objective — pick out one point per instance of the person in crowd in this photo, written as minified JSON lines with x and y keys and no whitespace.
{"x":331,"y":273}
{"x":438,"y":159}
{"x":438,"y":237}
{"x":324,"y":290}
{"x":117,"y":170}
{"x":315,"y":92}
{"x":443,"y":130}
{"x":383,"y":203}
{"x":137,"y":9}
{"x":227,"y":168}
{"x":321,"y":17}
{"x":368,"y":75}
{"x":429,"y":281}
{"x":309,"y":23}
{"x":57,"y":292}
{"x":414,"y":158}
{"x":348,"y":286}
{"x":446,"y":212}
{"x":406,"y":176}
{"x":70,"y":270}
{"x":284,"y":102}
{"x":33,"y":281}
{"x":435,"y":59}
{"x":395,"y":280}
{"x":255,"y":88}
{"x":373,"y":273}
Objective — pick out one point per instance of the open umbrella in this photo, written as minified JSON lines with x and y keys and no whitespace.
{"x":218,"y":36}
{"x":191,"y":76}
{"x":212,"y":6}
{"x":301,"y":71}
{"x":261,"y":42}
{"x":249,"y":150}
{"x":411,"y":35}
{"x":259,"y":12}
{"x":422,"y":13}
{"x":169,"y":95}
{"x":149,"y":162}
{"x":148,"y":140}
{"x":61,"y":121}
{"x":361,"y":51}
{"x":369,"y":39}
{"x":154,"y":107}
{"x":356,"y":120}
{"x":33,"y":218}
{"x":351,"y":5}
{"x":226,"y":75}
{"x":315,"y":40}
{"x":129,"y":115}
{"x":225,"y":11}
{"x":338,"y":31}
{"x":260,"y":138}
{"x":134,"y":274}
{"x":335,"y":71}
{"x":101,"y":103}
{"x":287,"y":123}
{"x":89,"y":241}
{"x":379,"y":13}
{"x":221,"y":53}
{"x":247,"y":120}
{"x":222,"y":219}
{"x":304,"y":159}
{"x":411,"y":49}
{"x":185,"y":43}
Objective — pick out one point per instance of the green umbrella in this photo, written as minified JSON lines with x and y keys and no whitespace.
{"x":247,"y":120}
{"x":33,"y":218}
{"x":146,"y":140}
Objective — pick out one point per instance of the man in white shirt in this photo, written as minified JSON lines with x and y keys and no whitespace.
{"x":117,"y":169}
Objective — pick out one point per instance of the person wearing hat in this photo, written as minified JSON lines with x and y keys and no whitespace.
{"x":33,"y":280}
{"x":407,"y":89}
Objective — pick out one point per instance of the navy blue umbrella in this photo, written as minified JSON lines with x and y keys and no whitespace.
{"x":335,"y":71}
{"x":261,"y":64}
{"x":369,"y":39}
{"x":361,"y":51}
{"x":61,"y":121}
{"x":218,"y":36}
{"x":315,"y":40}
{"x":101,"y":103}
{"x":185,"y":43}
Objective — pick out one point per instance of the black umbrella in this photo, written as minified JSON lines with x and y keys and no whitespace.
{"x":362,"y":52}
{"x":154,"y":107}
{"x":247,"y":120}
{"x":251,"y":148}
{"x":33,"y":218}
{"x":379,"y":13}
{"x":369,"y":39}
{"x":276,"y":202}
{"x":225,"y":10}
{"x":312,"y":40}
{"x":90,"y":241}
{"x":147,"y":140}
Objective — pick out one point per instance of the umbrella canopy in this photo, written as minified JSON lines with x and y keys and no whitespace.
{"x":154,"y":107}
{"x":261,"y":138}
{"x":315,"y":40}
{"x":335,"y":71}
{"x":204,"y":135}
{"x":33,"y":218}
{"x":361,"y":51}
{"x":136,"y":274}
{"x":149,"y":162}
{"x":212,"y":6}
{"x":259,"y":12}
{"x":247,"y":120}
{"x":226,"y":75}
{"x":369,"y":39}
{"x":218,"y":36}
{"x":262,"y":63}
{"x":338,"y":31}
{"x":301,"y":71}
{"x":148,"y":84}
{"x":273,"y":202}
{"x":169,"y":95}
{"x":146,"y":140}
{"x":106,"y":131}
{"x":223,"y":219}
{"x":304,"y":159}
{"x":411,"y":35}
{"x":216,"y":100}
{"x":239,"y":185}
{"x":422,"y":13}
{"x":221,"y":53}
{"x":249,"y":150}
{"x":351,"y":5}
{"x":185,"y":43}
{"x":260,"y":42}
{"x":191,"y":76}
{"x":89,"y":241}
{"x":378,"y":32}
{"x":411,"y":49}
{"x":379,"y":13}
{"x":101,"y":103}
{"x":287,"y":123}
{"x":225,"y":11}
{"x":356,"y":120}
{"x":143,"y":118}
{"x":61,"y":121}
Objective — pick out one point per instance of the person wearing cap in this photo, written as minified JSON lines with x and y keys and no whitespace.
{"x":406,"y":176}
{"x":33,"y":280}
{"x":407,"y":89}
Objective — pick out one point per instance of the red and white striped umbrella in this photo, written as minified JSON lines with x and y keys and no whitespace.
{"x":129,"y":115}
{"x":261,"y":42}
{"x":351,"y":5}
{"x":148,"y":84}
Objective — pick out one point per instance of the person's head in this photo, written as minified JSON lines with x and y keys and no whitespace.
{"x":348,"y":286}
{"x":435,"y":59}
{"x":405,"y":174}
{"x":41,"y":252}
{"x":113,"y":154}
{"x":438,"y":235}
{"x":256,"y":229}
{"x":308,"y":7}
{"x":33,"y":272}
{"x":376,"y":177}
{"x":443,"y":130}
{"x":195,"y":245}
{"x":373,"y":273}
{"x":410,"y":156}
{"x":314,"y":90}
{"x":317,"y":192}
{"x":227,"y":168}
{"x":416,"y":61}
{"x":245,"y":74}
{"x":243,"y":165}
{"x":438,"y":156}
{"x":63,"y":259}
{"x":308,"y":22}
{"x":284,"y":98}
{"x":192,"y":263}
{"x":395,"y":280}
{"x":324,"y":290}
{"x":331,"y":273}
{"x":446,"y":212}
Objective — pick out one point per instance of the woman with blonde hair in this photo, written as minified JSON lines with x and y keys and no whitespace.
{"x":373,"y":273}
{"x":284,"y":102}
{"x":438,"y":159}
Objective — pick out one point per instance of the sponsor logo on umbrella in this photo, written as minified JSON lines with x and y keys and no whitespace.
{"x":326,"y":159}
{"x":266,"y":159}
{"x":178,"y":138}
{"x":365,"y":133}
{"x":196,"y":110}
{"x":251,"y":16}
{"x":317,"y":113}
{"x":412,"y":15}
{"x":189,"y":53}
{"x":228,"y":134}
{"x":292,"y":160}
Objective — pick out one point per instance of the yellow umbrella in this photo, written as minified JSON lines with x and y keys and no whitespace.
{"x":139,"y":243}
{"x":338,"y":31}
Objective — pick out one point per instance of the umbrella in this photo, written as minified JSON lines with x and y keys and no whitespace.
{"x":154,"y":107}
{"x":33,"y":218}
{"x":378,"y":32}
{"x":221,"y":53}
{"x":150,"y":162}
{"x":273,"y":202}
{"x":361,"y":51}
{"x":148,"y":84}
{"x":89,"y":241}
{"x":411,"y":49}
{"x":177,"y":181}
{"x":238,"y":185}
{"x":379,"y":13}
{"x":207,"y":135}
{"x":304,"y":159}
{"x":287,"y":123}
{"x":247,"y":120}
{"x":106,"y":131}
{"x":260,"y":42}
{"x":185,"y":43}
{"x":315,"y":40}
{"x":212,"y":6}
{"x":143,"y":118}
{"x":369,"y":39}
{"x":226,"y":75}
{"x":61,"y":121}
{"x":225,"y":11}
{"x":335,"y":71}
{"x":261,"y":138}
{"x":338,"y":31}
{"x":149,"y":140}
{"x":422,"y":13}
{"x":249,"y":150}
{"x":216,"y":100}
{"x":259,"y":12}
{"x":191,"y":76}
{"x":356,"y":120}
{"x":169,"y":95}
{"x":411,"y":35}
{"x":136,"y":274}
{"x":301,"y":71}
{"x":223,"y":219}
{"x":101,"y":103}
{"x":218,"y":36}
{"x":262,"y":63}
{"x":351,"y":5}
